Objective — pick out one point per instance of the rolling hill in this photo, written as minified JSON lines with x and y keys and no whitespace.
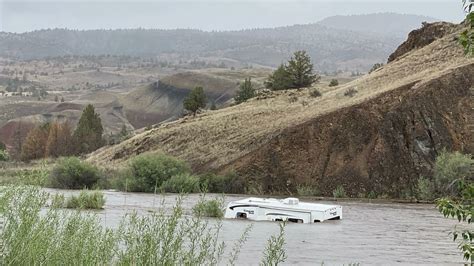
{"x":382,"y":139}
{"x":331,"y":45}
{"x":388,"y":24}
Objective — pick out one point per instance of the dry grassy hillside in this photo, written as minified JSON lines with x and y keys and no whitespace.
{"x":221,"y":140}
{"x":163,"y":100}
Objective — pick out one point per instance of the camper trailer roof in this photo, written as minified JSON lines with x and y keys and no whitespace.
{"x":284,"y":203}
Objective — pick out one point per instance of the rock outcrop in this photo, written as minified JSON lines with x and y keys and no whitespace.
{"x":421,"y":37}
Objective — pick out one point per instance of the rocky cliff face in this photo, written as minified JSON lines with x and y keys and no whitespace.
{"x":421,"y":37}
{"x":383,"y":145}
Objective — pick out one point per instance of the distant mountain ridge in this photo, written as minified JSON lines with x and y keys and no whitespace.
{"x":331,"y":45}
{"x":380,"y":23}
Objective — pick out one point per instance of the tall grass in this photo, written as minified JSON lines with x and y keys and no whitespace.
{"x":339,"y":192}
{"x":86,"y":200}
{"x":35,"y":235}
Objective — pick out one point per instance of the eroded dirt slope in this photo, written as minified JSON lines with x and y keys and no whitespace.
{"x":383,"y":145}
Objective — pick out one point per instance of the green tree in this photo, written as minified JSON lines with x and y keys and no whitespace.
{"x":195,"y":100}
{"x":88,"y":134}
{"x":300,"y":70}
{"x":298,"y":73}
{"x":462,"y":209}
{"x":467,"y":37}
{"x":279,"y":80}
{"x":245,"y":92}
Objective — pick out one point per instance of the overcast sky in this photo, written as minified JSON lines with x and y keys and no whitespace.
{"x":21,"y":16}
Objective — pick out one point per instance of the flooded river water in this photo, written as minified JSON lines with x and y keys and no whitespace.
{"x":369,"y":233}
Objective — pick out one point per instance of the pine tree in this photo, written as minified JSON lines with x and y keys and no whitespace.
{"x":195,"y":100}
{"x":300,"y":70}
{"x":279,"y":79}
{"x":245,"y":92}
{"x":34,"y":146}
{"x":89,"y":130}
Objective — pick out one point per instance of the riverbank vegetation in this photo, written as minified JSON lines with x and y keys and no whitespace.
{"x":86,"y":200}
{"x":160,"y":173}
{"x":209,"y":208}
{"x":450,"y":169}
{"x":32,"y":234}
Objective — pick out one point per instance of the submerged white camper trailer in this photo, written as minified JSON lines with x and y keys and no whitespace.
{"x":289,"y":209}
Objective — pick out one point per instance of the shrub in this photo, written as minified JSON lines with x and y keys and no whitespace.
{"x":351,"y":92}
{"x":209,"y":208}
{"x":181,"y":183}
{"x":315,"y":93}
{"x":245,"y":92}
{"x":230,"y":183}
{"x":375,"y":67}
{"x":425,"y":189}
{"x":339,"y":192}
{"x":3,"y":147}
{"x":86,"y":200}
{"x":307,"y":191}
{"x":4,"y":156}
{"x":72,"y":173}
{"x":292,"y":99}
{"x":333,"y":83}
{"x":467,"y":37}
{"x":274,"y":253}
{"x":32,"y":234}
{"x":147,"y":172}
{"x":449,"y":169}
{"x":372,"y":195}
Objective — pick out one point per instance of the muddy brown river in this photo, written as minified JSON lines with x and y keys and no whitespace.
{"x":369,"y":233}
